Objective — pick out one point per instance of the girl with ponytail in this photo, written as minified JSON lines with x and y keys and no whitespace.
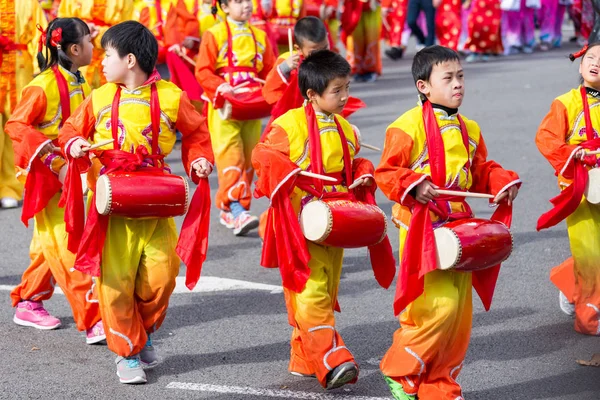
{"x":46,"y":103}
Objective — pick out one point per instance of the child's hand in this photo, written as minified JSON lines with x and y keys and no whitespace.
{"x":48,"y":148}
{"x":189,"y":43}
{"x":426,"y":192}
{"x":176,"y":49}
{"x":368,"y":181}
{"x":579,"y":154}
{"x":93,"y":29}
{"x":466,"y":5}
{"x":225,"y":89}
{"x":293,"y":61}
{"x":202,"y":168}
{"x":509,"y":195}
{"x":77,"y":148}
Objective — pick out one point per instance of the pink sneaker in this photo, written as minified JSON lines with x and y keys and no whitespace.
{"x":33,"y":313}
{"x":244,"y":223}
{"x":226,"y":219}
{"x":95,"y":334}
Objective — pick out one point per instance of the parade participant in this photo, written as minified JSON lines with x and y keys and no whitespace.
{"x":50,"y":8}
{"x":484,"y":38}
{"x":415,"y":7}
{"x":361,"y":32}
{"x":247,"y":57}
{"x":313,"y":138}
{"x":99,"y":15}
{"x":448,"y":22}
{"x":393,"y":17}
{"x":45,"y":104}
{"x":18,"y":44}
{"x":551,"y":17}
{"x":518,"y":25}
{"x":284,"y":15}
{"x":566,"y":133}
{"x":135,"y":259}
{"x":435,"y":306}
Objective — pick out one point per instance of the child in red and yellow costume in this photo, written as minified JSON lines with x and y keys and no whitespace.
{"x":393,"y":19}
{"x":233,"y":53}
{"x":135,"y":259}
{"x":569,"y":129}
{"x":99,"y":15}
{"x":435,"y":306}
{"x":46,"y":103}
{"x":315,"y":139}
{"x":18,"y":46}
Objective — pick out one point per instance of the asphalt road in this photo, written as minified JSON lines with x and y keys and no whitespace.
{"x":233,"y":343}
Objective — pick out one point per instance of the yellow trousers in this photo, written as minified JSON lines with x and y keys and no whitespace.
{"x":317,"y":347}
{"x":137,"y":278}
{"x":9,"y":185}
{"x":362,"y":46}
{"x":52,"y":263}
{"x":428,"y":349}
{"x":233,"y":142}
{"x":584,"y":237}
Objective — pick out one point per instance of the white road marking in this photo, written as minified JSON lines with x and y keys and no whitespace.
{"x":288,"y":394}
{"x":206,"y":284}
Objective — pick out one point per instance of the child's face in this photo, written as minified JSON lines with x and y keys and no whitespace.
{"x":590,"y":68}
{"x":308,"y":47}
{"x":115,"y":68}
{"x":238,"y":10}
{"x":446,"y":85}
{"x":82,"y":52}
{"x":334,"y":98}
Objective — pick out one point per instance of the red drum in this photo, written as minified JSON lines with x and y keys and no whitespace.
{"x":243,"y":106}
{"x":142,"y":195}
{"x":472,"y":244}
{"x":343,"y":223}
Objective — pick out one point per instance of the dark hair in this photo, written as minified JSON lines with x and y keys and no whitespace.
{"x":320,"y":68}
{"x":425,"y":59}
{"x":131,"y":37}
{"x":215,"y":9}
{"x":311,"y":29}
{"x":73,"y":32}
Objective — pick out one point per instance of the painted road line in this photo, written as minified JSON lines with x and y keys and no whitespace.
{"x":207,"y":284}
{"x":276,"y":393}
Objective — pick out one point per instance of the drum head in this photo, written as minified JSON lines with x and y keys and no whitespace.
{"x":447,"y":247}
{"x":103,"y":195}
{"x":315,"y":221}
{"x":225,"y":111}
{"x":592,"y":190}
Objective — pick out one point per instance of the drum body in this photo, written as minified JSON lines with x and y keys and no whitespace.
{"x":472,"y":244}
{"x":343,"y":223}
{"x":592,"y":189}
{"x":243,"y":106}
{"x":142,"y":195}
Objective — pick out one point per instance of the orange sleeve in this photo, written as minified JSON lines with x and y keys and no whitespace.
{"x":551,"y":136}
{"x":393,"y":175}
{"x":80,"y":124}
{"x":268,"y":60}
{"x":488,"y":175}
{"x":195,"y":141}
{"x":275,"y":84}
{"x":29,"y":112}
{"x":205,"y":66}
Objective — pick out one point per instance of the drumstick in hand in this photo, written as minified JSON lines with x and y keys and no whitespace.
{"x":188,"y":59}
{"x":592,"y":153}
{"x":317,"y":176}
{"x":99,"y":144}
{"x":290,"y":41}
{"x":371,"y":147}
{"x":464,"y":194}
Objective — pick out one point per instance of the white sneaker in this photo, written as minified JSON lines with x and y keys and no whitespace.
{"x":244,"y":223}
{"x":566,"y":306}
{"x":226,"y":219}
{"x":9,"y":202}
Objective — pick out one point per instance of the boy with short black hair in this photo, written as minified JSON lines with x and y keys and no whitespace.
{"x":313,"y":138}
{"x":435,"y":306}
{"x":134,"y":258}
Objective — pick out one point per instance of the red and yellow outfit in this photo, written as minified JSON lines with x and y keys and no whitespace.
{"x":138,"y":264}
{"x":18,"y":47}
{"x":233,"y":141}
{"x":428,"y":350}
{"x":484,"y":27}
{"x":448,"y":23}
{"x":565,"y":130}
{"x":361,"y":31}
{"x":103,"y":14}
{"x":50,"y":8}
{"x":284,"y":16}
{"x":310,"y":272}
{"x":396,"y":19}
{"x":35,"y":122}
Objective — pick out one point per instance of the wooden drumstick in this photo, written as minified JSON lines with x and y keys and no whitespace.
{"x":241,"y":85}
{"x":188,"y":59}
{"x":465,"y":194}
{"x":318,"y":176}
{"x":368,"y":146}
{"x":99,"y":144}
{"x":592,"y":153}
{"x":356,"y":183}
{"x":290,"y":41}
{"x":261,"y":81}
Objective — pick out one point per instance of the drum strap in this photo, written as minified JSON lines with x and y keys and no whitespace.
{"x":230,"y":62}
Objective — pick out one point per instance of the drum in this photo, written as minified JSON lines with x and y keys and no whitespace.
{"x":142,"y":195}
{"x":472,"y":244}
{"x":592,"y":189}
{"x":343,"y":223}
{"x":243,"y":106}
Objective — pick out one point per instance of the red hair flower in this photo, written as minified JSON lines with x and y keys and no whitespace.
{"x":56,"y":38}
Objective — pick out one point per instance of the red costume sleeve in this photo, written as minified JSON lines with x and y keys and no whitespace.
{"x":205,"y":66}
{"x":488,"y":175}
{"x":275,"y":84}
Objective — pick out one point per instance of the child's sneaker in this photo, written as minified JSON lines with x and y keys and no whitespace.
{"x":33,"y":313}
{"x":244,"y":223}
{"x":397,"y":390}
{"x":95,"y":334}
{"x":148,"y":355}
{"x":342,"y":374}
{"x":9,"y":202}
{"x":129,"y":369}
{"x":226,"y":219}
{"x":565,"y":305}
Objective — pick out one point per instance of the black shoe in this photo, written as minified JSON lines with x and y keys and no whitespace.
{"x":341,"y":375}
{"x":359,"y":77}
{"x":394,"y":53}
